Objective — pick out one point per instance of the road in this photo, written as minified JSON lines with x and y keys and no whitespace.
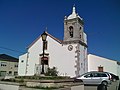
{"x":113,"y":86}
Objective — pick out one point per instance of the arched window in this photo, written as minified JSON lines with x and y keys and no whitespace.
{"x":71,"y":31}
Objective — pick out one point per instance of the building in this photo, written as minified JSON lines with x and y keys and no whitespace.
{"x":97,"y":63}
{"x":8,"y":65}
{"x":69,"y":56}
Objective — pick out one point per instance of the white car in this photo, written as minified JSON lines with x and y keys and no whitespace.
{"x":96,"y":78}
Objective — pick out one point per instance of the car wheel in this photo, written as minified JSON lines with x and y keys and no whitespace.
{"x":104,"y":83}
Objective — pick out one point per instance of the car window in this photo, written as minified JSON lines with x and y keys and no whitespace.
{"x":89,"y":75}
{"x":103,"y":75}
{"x":96,"y":75}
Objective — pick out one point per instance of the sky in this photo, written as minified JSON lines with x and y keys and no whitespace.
{"x":22,"y":21}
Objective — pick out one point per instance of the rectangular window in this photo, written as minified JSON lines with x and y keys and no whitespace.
{"x":10,"y":72}
{"x":97,"y":75}
{"x":3,"y":64}
{"x":15,"y":73}
{"x":44,"y":60}
{"x":2,"y":73}
{"x":103,"y":75}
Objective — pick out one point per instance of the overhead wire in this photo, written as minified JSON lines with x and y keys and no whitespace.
{"x":11,"y":50}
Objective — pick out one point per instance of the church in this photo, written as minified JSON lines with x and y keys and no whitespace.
{"x":69,"y":55}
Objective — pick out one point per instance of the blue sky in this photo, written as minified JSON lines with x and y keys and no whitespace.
{"x":22,"y":21}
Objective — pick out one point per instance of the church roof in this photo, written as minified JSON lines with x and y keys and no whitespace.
{"x":74,"y":14}
{"x":4,"y":57}
{"x":56,"y":39}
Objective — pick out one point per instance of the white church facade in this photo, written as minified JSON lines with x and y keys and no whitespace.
{"x":69,"y":56}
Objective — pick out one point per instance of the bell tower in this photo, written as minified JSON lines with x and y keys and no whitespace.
{"x":73,"y":27}
{"x":76,"y":41}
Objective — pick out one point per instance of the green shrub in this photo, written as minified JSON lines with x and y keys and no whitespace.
{"x":52,"y":72}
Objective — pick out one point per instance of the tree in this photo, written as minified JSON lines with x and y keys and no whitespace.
{"x":52,"y":72}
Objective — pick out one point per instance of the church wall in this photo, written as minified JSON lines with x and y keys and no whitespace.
{"x":59,"y":56}
{"x":69,"y":62}
{"x":86,"y":60}
{"x":33,"y":58}
{"x":108,"y":65}
{"x":22,"y":65}
{"x":62,"y":58}
{"x":85,"y":38}
{"x":83,"y":60}
{"x":118,"y":69}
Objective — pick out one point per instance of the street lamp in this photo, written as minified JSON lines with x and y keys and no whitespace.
{"x":44,"y":36}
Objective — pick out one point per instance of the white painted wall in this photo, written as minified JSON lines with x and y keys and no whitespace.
{"x":85,"y":38}
{"x":95,"y":61}
{"x":34,"y":56}
{"x":62,"y":58}
{"x":22,"y":65}
{"x":83,"y":60}
{"x":86,"y":60}
{"x":118,"y":70}
{"x":59,"y":56}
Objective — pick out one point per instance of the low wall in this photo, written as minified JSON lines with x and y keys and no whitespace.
{"x":53,"y":83}
{"x":68,"y":85}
